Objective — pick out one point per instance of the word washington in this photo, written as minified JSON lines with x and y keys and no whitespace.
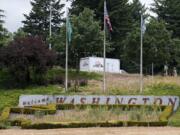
{"x":31,"y":100}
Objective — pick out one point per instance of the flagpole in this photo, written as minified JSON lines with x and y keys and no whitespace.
{"x":104,"y":74}
{"x":50,"y":29}
{"x":152,"y":72}
{"x":66,"y":74}
{"x":141,"y":57}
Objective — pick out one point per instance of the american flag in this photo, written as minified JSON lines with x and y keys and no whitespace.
{"x":106,"y":18}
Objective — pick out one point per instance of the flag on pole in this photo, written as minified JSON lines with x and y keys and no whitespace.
{"x":68,"y":40}
{"x":106,"y":17}
{"x":143,"y":25}
{"x":69,"y":29}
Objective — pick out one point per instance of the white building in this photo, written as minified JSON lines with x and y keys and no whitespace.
{"x":96,"y":64}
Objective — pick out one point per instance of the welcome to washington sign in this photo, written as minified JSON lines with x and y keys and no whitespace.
{"x":31,"y":100}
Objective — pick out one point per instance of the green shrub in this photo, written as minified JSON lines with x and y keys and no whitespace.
{"x":122,"y":107}
{"x":141,"y":123}
{"x":175,"y":119}
{"x":4,"y":125}
{"x":166,"y":113}
{"x":91,"y":124}
{"x":50,"y":109}
{"x":5,"y":114}
{"x":25,"y":123}
{"x":17,"y":122}
{"x":72,"y":125}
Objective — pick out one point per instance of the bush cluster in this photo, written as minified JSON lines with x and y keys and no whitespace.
{"x":27,"y":60}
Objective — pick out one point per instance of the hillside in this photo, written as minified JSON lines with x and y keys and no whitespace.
{"x":117,"y":85}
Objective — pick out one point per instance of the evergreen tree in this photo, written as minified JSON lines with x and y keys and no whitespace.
{"x":19,"y":34}
{"x":136,"y":10}
{"x":79,"y":5}
{"x":158,"y":48}
{"x":120,"y":16}
{"x":1,"y":26}
{"x":37,"y":22}
{"x":1,"y":16}
{"x":1,"y":22}
{"x":5,"y":36}
{"x":169,"y":11}
{"x":87,"y":38}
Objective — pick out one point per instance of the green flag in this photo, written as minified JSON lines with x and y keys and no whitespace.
{"x":68,"y":29}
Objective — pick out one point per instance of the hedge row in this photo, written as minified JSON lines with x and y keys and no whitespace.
{"x":167,"y":111}
{"x":49,"y":109}
{"x":90,"y":124}
{"x":123,"y":107}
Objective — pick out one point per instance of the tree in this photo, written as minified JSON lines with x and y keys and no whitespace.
{"x":37,"y":22}
{"x":27,"y":59}
{"x":87,"y":39}
{"x":169,"y":11}
{"x":1,"y":16}
{"x":5,"y":36}
{"x":1,"y":25}
{"x":158,"y":44}
{"x":120,"y":15}
{"x":158,"y":47}
{"x":176,"y":54}
{"x":136,"y":10}
{"x":131,"y":51}
{"x":20,"y":34}
{"x":79,"y":5}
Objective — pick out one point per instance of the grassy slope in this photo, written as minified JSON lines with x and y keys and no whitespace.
{"x":175,"y":119}
{"x":10,"y":97}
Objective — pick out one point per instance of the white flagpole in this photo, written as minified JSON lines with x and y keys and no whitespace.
{"x":141,"y":57}
{"x":66,"y":74}
{"x":104,"y":74}
{"x":152,"y":70}
{"x":50,"y":29}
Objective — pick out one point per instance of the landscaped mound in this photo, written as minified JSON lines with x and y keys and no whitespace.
{"x":72,"y":116}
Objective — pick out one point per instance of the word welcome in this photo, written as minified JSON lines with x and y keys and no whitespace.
{"x":31,"y":100}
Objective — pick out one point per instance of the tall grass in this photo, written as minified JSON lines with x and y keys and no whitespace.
{"x":100,"y":114}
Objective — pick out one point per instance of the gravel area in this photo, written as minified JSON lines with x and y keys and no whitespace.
{"x":97,"y":131}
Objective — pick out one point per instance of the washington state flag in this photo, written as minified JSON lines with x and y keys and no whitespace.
{"x":68,"y":29}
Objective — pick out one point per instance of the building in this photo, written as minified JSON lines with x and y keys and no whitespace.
{"x":96,"y":64}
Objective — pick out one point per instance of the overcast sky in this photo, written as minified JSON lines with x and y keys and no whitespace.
{"x":14,"y":10}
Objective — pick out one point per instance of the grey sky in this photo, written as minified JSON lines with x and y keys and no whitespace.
{"x":14,"y":10}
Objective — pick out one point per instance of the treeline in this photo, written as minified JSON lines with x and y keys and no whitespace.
{"x":161,"y":39}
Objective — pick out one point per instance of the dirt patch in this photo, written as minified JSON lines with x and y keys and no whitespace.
{"x":97,"y":131}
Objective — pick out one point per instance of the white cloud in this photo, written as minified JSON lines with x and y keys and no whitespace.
{"x":14,"y":10}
